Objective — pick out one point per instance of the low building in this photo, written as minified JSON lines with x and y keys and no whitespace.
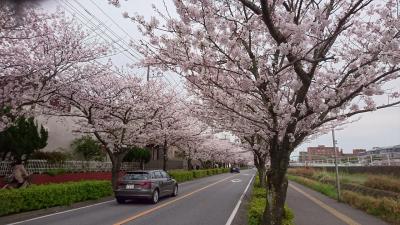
{"x":322,"y":152}
{"x":359,"y":151}
{"x":383,"y":150}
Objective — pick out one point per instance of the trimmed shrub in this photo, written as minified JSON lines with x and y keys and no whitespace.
{"x":200,"y":173}
{"x":257,"y":205}
{"x":183,"y":175}
{"x":383,"y":183}
{"x":385,"y":208}
{"x":45,"y":196}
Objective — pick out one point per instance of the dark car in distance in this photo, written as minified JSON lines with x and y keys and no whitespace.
{"x":145,"y":184}
{"x":235,"y":169}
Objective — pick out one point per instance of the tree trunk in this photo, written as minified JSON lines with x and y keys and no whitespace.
{"x":116,"y":161}
{"x":262,"y":176}
{"x":165,"y":156}
{"x":203,"y":165}
{"x":276,"y":187}
{"x":189,"y":164}
{"x":141,"y":164}
{"x":259,"y":162}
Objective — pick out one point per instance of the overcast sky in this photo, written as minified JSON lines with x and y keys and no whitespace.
{"x":380,"y":128}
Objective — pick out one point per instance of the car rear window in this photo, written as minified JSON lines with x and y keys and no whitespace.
{"x":136,"y":176}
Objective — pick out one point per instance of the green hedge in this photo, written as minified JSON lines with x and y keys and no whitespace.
{"x":183,"y":175}
{"x":45,"y":196}
{"x":257,"y":205}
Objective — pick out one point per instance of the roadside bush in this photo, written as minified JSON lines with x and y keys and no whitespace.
{"x":183,"y":175}
{"x":140,"y":155}
{"x":45,"y":196}
{"x":88,"y":148}
{"x":385,"y":208}
{"x":383,"y":183}
{"x":257,"y":205}
{"x":200,"y":173}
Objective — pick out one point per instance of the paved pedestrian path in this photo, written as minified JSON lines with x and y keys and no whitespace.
{"x":312,"y":208}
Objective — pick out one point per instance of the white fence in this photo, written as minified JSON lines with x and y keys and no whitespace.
{"x":42,"y":166}
{"x":387,"y":159}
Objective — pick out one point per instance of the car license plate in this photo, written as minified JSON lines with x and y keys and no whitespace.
{"x":130,"y":186}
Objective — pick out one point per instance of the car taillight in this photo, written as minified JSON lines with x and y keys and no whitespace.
{"x":145,"y":184}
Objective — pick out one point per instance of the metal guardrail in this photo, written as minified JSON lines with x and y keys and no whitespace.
{"x":386,"y":159}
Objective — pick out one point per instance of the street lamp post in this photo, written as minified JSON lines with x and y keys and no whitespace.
{"x":336,"y":165}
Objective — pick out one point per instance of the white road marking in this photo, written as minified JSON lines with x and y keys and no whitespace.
{"x":236,"y":180}
{"x":233,"y":214}
{"x":57,"y":213}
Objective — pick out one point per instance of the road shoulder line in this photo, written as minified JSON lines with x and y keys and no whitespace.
{"x":234,"y":212}
{"x":62,"y":212}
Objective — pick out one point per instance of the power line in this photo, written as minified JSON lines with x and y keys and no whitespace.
{"x":137,"y":55}
{"x":92,"y":26}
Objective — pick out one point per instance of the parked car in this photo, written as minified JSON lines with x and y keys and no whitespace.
{"x":150,"y":185}
{"x":235,"y":169}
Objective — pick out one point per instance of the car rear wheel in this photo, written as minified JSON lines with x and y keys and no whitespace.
{"x":175,"y":191}
{"x":154,"y":197}
{"x":120,"y":200}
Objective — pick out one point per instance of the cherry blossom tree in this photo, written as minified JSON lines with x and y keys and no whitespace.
{"x":219,"y":151}
{"x":37,"y":51}
{"x":190,"y":147}
{"x":174,"y":124}
{"x":120,"y":111}
{"x":290,"y":68}
{"x":248,"y":135}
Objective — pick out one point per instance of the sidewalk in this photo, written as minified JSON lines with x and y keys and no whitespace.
{"x":312,"y":208}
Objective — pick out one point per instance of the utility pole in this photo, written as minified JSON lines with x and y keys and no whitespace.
{"x":148,"y":73}
{"x":336,"y":164}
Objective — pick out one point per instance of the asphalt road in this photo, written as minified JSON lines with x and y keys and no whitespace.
{"x":313,"y":208}
{"x":208,"y":201}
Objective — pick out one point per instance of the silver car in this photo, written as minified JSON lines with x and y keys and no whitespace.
{"x":151,"y":184}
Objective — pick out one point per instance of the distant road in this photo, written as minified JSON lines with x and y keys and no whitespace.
{"x":313,"y":208}
{"x":206,"y":201}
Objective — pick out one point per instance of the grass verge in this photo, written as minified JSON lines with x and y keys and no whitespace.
{"x":325,"y":189}
{"x":257,"y":205}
